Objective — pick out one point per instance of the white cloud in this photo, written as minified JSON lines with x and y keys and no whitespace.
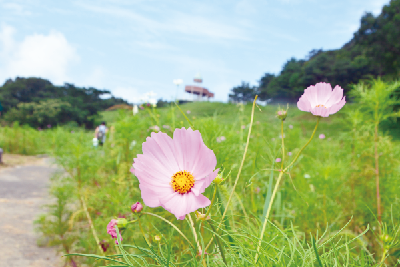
{"x":16,"y":9}
{"x":176,"y":23}
{"x":37,"y":55}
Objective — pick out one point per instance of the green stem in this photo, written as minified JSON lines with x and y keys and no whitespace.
{"x":283,"y":146}
{"x":176,"y":228}
{"x":297,"y":156}
{"x":267,"y":215}
{"x":144,"y":235}
{"x":212,"y":202}
{"x":239,"y":172}
{"x":277,"y":186}
{"x":221,"y":249}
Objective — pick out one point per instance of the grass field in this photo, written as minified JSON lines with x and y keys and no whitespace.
{"x":324,"y":212}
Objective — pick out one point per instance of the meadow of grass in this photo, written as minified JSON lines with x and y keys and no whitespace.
{"x":324,"y":213}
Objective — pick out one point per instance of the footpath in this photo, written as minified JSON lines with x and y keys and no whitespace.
{"x":24,"y":183}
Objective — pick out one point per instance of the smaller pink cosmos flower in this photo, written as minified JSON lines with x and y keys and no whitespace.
{"x":280,"y":136}
{"x":188,"y":112}
{"x":290,"y":126}
{"x":289,"y":153}
{"x":155,"y":128}
{"x":321,"y":136}
{"x":166,"y":126}
{"x":243,"y":127}
{"x":111,"y":229}
{"x":257,"y":190}
{"x":321,"y":100}
{"x":278,"y":160}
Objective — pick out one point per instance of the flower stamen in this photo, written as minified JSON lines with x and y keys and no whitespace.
{"x":182,"y":182}
{"x":320,"y":106}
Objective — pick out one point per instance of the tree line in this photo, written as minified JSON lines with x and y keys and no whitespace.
{"x":38,"y":103}
{"x":373,"y":51}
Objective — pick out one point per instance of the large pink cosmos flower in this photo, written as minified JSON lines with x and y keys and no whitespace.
{"x":320,"y":100}
{"x":173,"y":173}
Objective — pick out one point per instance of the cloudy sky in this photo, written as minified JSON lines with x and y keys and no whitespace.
{"x":132,"y":47}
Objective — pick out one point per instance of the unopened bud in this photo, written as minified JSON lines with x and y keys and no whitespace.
{"x":201,"y":216}
{"x":281,"y":114}
{"x":137,"y":207}
{"x":122,"y":223}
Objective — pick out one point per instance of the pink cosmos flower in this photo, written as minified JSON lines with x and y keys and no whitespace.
{"x":257,"y":190}
{"x":112,"y":231}
{"x":321,"y":136}
{"x":280,"y":136}
{"x":289,"y":153}
{"x":188,"y":112}
{"x":290,"y":126}
{"x":320,"y":100}
{"x":278,"y":160}
{"x":166,"y":126}
{"x":243,"y":127}
{"x":173,"y":173}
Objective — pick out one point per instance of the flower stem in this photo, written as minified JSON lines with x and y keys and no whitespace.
{"x":91,"y":225}
{"x":239,"y":172}
{"x":212,"y":202}
{"x":301,"y":150}
{"x":170,"y":223}
{"x":144,"y":235}
{"x":268,"y":212}
{"x":195,"y":238}
{"x":283,"y":146}
{"x":221,"y":248}
{"x":277,"y":185}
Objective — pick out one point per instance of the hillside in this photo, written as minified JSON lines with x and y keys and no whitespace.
{"x":373,"y":51}
{"x":38,"y":103}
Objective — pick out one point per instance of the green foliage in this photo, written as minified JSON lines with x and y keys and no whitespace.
{"x":380,"y":37}
{"x":27,"y":99}
{"x":373,"y":51}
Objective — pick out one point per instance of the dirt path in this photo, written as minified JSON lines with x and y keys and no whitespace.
{"x":23,"y":190}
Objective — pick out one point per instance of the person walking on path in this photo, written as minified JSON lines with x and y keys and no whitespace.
{"x":100,"y":133}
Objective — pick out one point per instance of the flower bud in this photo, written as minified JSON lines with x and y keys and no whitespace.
{"x":281,"y":114}
{"x":219,"y":179}
{"x":122,"y":223}
{"x":201,"y":216}
{"x":137,"y":207}
{"x":157,"y":238}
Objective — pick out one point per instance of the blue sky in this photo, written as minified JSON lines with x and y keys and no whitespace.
{"x":134,"y":47}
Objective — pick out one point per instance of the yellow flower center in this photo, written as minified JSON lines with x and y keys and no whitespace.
{"x":320,"y":106}
{"x":182,"y":182}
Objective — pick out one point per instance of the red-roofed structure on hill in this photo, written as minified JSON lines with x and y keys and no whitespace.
{"x":198,"y":90}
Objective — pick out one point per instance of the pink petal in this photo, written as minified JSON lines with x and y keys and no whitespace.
{"x":335,"y":97}
{"x":324,"y":91}
{"x":200,"y":185}
{"x":320,"y":111}
{"x":335,"y":108}
{"x":160,"y":147}
{"x":180,"y":205}
{"x":304,"y":104}
{"x":311,"y":94}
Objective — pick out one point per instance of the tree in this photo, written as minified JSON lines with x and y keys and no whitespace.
{"x":243,"y":93}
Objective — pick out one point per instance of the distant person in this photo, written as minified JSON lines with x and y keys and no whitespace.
{"x":100,"y":133}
